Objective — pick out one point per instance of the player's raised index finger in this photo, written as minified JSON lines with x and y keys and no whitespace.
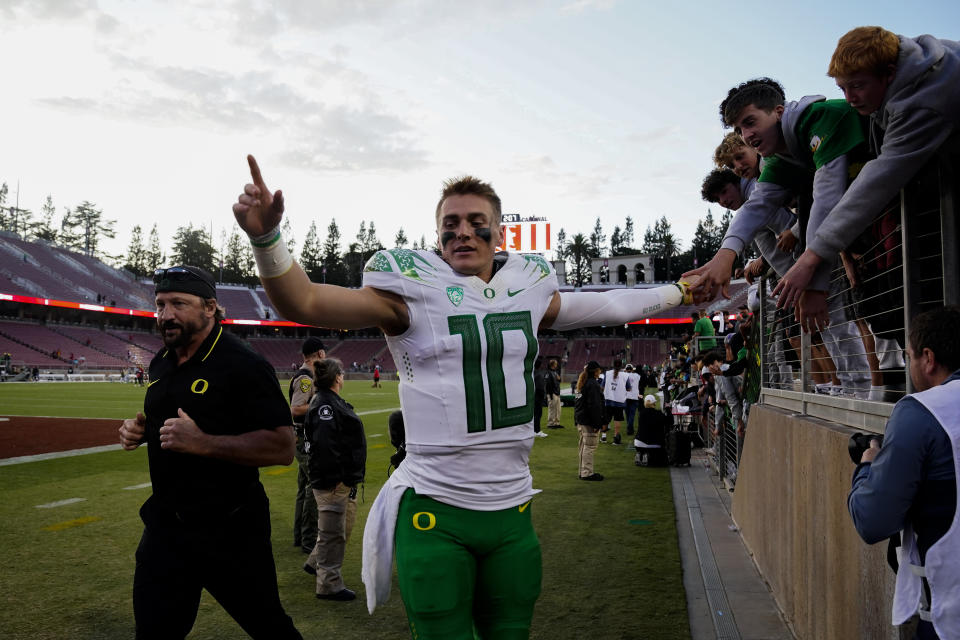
{"x":255,"y":172}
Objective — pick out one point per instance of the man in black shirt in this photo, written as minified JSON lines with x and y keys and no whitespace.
{"x":213,"y":414}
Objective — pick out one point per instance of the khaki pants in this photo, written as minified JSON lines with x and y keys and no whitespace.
{"x":553,"y":410}
{"x":586,"y":446}
{"x":336,"y":513}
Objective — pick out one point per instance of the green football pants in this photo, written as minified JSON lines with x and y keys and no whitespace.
{"x":466,"y":574}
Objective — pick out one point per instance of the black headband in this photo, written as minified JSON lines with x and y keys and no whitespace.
{"x":185,"y":279}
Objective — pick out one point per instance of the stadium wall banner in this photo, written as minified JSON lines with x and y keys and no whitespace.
{"x":48,"y":302}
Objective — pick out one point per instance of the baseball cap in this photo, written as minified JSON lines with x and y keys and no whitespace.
{"x":629,"y":367}
{"x":312,"y":345}
{"x":706,"y":371}
{"x":185,"y":279}
{"x":649,"y":400}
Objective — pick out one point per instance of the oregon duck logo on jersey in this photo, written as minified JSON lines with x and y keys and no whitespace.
{"x":456,"y":295}
{"x":815,"y":143}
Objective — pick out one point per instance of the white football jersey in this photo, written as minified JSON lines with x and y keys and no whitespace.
{"x":466,"y":373}
{"x":615,"y":388}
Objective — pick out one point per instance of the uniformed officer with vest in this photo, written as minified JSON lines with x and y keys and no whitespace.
{"x":300,"y":392}
{"x":909,"y":483}
{"x":213,"y":413}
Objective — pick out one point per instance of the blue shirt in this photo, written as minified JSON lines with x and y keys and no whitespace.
{"x":911,"y":479}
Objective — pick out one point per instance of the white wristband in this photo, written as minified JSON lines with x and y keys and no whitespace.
{"x":271,"y":254}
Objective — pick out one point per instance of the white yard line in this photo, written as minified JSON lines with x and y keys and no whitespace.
{"x":59,"y":503}
{"x":58,"y":454}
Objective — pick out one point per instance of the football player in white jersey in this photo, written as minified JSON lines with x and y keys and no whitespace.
{"x":462,"y":328}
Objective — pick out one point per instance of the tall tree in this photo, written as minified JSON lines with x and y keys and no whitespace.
{"x":400,"y":241}
{"x":597,"y":240}
{"x":4,"y":212}
{"x":663,"y":245}
{"x":136,"y":262}
{"x":45,"y":228}
{"x":578,"y":255}
{"x":155,"y":257}
{"x":335,"y":269}
{"x":287,"y":229}
{"x":724,"y":225}
{"x":192,"y":246}
{"x":616,"y":241}
{"x":232,"y":262}
{"x":705,"y":241}
{"x":86,"y":226}
{"x":311,"y":257}
{"x":626,"y":236}
{"x":560,"y":252}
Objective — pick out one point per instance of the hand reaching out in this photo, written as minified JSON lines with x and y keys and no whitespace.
{"x":257,"y":209}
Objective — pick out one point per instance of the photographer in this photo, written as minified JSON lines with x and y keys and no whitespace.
{"x":910,"y":483}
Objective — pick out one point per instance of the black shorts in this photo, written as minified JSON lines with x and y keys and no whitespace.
{"x":614,"y":413}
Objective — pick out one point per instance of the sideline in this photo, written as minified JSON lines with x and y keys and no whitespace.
{"x":58,"y":454}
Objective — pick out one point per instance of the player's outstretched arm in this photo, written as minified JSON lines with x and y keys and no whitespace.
{"x":590,"y":309}
{"x":258,"y":211}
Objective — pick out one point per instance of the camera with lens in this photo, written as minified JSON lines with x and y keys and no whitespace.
{"x":860,"y":442}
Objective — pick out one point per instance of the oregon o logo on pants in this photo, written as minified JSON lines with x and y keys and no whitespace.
{"x":199,"y":386}
{"x":431,"y":521}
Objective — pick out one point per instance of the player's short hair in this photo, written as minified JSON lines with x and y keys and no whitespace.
{"x":937,"y":330}
{"x":723,"y":155}
{"x":326,"y":372}
{"x":870,"y":49}
{"x":470,"y":186}
{"x":715,"y":181}
{"x":763,"y":93}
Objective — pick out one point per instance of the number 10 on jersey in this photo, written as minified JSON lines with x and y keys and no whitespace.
{"x":494,"y":325}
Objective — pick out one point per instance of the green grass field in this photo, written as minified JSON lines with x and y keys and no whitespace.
{"x":611,"y":566}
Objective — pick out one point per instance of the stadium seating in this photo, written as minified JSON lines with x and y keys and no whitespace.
{"x":239,"y":301}
{"x":360,"y":350}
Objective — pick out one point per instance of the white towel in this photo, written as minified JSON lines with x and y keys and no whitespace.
{"x":377,"y":564}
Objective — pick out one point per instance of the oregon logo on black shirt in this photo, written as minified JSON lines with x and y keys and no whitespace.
{"x":199,"y":386}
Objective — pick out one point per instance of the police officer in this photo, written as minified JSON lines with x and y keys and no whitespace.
{"x":337,"y":453}
{"x":300,"y":392}
{"x":213,"y":413}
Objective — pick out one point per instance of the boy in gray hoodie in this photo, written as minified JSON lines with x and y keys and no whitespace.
{"x":811,"y":146}
{"x":910,"y":89}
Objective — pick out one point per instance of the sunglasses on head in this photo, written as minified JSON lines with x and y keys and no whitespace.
{"x":176,"y":274}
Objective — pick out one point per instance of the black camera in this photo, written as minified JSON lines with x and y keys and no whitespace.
{"x":860,"y":442}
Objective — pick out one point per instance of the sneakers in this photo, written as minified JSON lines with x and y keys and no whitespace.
{"x":344,"y":595}
{"x":541,"y":434}
{"x":554,"y":426}
{"x":616,"y":439}
{"x":603,"y":438}
{"x":593,"y":477}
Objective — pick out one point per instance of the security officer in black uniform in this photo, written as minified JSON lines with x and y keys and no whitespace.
{"x":214,"y":414}
{"x":337,"y":452}
{"x":300,"y":392}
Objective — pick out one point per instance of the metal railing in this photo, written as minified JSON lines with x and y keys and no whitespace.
{"x":906,"y":263}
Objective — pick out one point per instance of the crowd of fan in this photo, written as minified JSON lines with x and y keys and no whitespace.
{"x":815,"y":184}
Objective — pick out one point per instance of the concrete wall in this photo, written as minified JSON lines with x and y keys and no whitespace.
{"x":791,"y":507}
